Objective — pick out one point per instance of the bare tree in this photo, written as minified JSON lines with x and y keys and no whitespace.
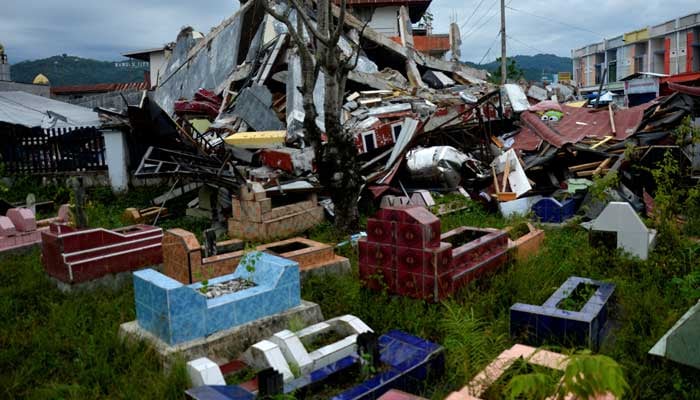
{"x":336,"y":160}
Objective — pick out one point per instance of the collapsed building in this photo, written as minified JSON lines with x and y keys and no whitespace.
{"x":227,"y":110}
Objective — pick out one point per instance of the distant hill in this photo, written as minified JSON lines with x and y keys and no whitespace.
{"x":68,"y":70}
{"x":535,"y":66}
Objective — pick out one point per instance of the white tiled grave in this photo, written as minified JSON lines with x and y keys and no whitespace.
{"x":286,"y":348}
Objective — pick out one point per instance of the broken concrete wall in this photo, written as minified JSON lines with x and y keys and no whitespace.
{"x":207,"y":65}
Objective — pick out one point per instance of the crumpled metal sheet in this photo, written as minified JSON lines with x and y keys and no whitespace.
{"x":438,"y":165}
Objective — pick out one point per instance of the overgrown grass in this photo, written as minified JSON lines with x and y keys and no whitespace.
{"x":66,"y":346}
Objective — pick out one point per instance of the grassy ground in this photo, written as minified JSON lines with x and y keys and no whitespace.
{"x":65,"y":346}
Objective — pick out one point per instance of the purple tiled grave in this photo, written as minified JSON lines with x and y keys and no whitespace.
{"x":405,"y":253}
{"x":177,"y":313}
{"x":551,"y":323}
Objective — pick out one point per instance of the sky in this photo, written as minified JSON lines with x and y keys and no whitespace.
{"x":103,"y":29}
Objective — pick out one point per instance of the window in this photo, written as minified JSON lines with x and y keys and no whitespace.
{"x":370,"y":141}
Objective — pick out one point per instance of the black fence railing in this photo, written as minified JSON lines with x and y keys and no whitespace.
{"x":55,"y":150}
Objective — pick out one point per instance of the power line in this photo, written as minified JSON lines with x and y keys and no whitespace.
{"x":476,"y":26}
{"x":554,"y":21}
{"x":470,"y":17}
{"x":526,"y":45}
{"x":490,"y":47}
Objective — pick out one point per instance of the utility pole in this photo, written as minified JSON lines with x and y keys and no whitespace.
{"x":503,"y":43}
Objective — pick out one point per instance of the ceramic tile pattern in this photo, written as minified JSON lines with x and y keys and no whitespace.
{"x":551,"y":210}
{"x":76,"y":256}
{"x":537,"y":325}
{"x":177,"y":313}
{"x":253,"y":217}
{"x":183,"y":257}
{"x":19,"y":228}
{"x":405,"y":253}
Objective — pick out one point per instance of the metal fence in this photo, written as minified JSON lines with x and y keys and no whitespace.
{"x":56,"y":150}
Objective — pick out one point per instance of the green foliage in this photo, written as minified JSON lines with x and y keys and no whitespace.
{"x":601,"y":184}
{"x":686,"y":132}
{"x":536,"y":385}
{"x":513,"y":72}
{"x":689,"y":285}
{"x":69,"y":70}
{"x":588,"y":375}
{"x":534,"y":66}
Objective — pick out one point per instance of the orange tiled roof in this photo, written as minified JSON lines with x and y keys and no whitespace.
{"x":431,"y":43}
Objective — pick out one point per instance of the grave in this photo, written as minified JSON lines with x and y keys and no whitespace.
{"x":403,"y":362}
{"x":405,"y":253}
{"x":552,"y":210}
{"x":524,"y":244}
{"x":478,"y":386}
{"x":256,"y":217}
{"x":631,"y":233}
{"x":307,"y":349}
{"x":680,"y":343}
{"x":177,"y":318}
{"x":184,"y":259}
{"x":19,"y":228}
{"x":554,"y":321}
{"x":86,"y":257}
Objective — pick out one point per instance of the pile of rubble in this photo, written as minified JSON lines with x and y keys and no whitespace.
{"x":228,"y":110}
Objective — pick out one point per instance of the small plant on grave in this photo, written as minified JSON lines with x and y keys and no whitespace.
{"x":296,"y":324}
{"x":295,"y":369}
{"x":249,"y":261}
{"x":367,"y":368}
{"x":576,"y":299}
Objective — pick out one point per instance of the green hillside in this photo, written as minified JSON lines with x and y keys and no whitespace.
{"x":69,"y":70}
{"x":535,"y":66}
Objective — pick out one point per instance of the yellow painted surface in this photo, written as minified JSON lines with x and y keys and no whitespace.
{"x":636,"y":36}
{"x":201,"y":125}
{"x":257,"y":140}
{"x":577,"y":104}
{"x":41,"y":79}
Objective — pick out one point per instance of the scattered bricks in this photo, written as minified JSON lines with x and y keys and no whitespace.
{"x":405,"y":253}
{"x":313,"y":257}
{"x":22,"y":218}
{"x":550,"y":323}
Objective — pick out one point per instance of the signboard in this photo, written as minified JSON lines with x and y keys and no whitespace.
{"x":564,"y":76}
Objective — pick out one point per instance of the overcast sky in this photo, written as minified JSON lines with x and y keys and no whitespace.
{"x":103,"y":29}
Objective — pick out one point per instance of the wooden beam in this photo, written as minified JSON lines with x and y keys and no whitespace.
{"x":602,"y":142}
{"x":612,"y":118}
{"x":584,"y":167}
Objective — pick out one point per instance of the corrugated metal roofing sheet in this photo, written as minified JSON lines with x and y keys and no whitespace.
{"x":100,"y":88}
{"x":20,"y":108}
{"x":577,"y":124}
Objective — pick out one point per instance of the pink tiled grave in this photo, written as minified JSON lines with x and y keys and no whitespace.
{"x":76,"y":256}
{"x":19,"y":227}
{"x":405,"y":254}
{"x":482,"y":381}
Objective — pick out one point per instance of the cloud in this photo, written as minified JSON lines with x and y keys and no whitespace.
{"x":105,"y":29}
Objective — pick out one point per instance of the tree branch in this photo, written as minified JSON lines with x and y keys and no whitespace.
{"x":301,"y":12}
{"x":284,"y":18}
{"x":341,"y":22}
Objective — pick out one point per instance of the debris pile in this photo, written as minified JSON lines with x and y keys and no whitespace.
{"x":229,"y":111}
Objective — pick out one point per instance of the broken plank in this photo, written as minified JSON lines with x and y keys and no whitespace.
{"x":584,"y":167}
{"x":612,"y":118}
{"x":602,"y":142}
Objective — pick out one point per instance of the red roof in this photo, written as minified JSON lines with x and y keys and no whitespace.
{"x":577,"y":124}
{"x":99,"y":88}
{"x":429,"y":43}
{"x":384,"y":3}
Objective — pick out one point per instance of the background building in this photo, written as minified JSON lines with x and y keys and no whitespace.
{"x":669,"y":51}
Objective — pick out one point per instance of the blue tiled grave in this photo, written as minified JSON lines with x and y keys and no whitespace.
{"x":552,"y":210}
{"x":177,"y":313}
{"x":408,"y":363}
{"x":537,"y":325}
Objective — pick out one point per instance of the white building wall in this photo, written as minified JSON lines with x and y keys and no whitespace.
{"x":116,"y":159}
{"x":158,"y":62}
{"x":385,"y":20}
